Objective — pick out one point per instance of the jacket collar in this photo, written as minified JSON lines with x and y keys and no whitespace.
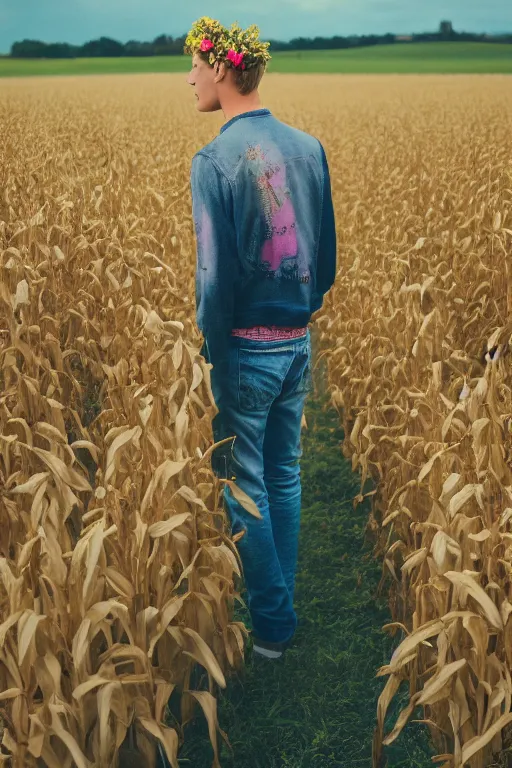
{"x":253,"y":113}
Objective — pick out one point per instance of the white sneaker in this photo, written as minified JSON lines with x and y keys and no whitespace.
{"x":268,"y":650}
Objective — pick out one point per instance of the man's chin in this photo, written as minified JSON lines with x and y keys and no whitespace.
{"x":207,"y":108}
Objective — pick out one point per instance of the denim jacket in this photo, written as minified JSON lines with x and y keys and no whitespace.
{"x":265,"y":229}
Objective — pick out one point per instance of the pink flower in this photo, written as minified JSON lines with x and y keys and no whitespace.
{"x":236,"y":58}
{"x":206,"y":45}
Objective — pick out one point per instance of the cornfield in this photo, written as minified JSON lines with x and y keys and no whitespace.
{"x":417,"y":336}
{"x":118,"y":574}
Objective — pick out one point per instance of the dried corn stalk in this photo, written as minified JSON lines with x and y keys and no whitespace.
{"x":97,"y":250}
{"x":417,"y":336}
{"x":117,"y":574}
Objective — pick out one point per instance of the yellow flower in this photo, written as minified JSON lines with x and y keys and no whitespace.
{"x":241,"y":41}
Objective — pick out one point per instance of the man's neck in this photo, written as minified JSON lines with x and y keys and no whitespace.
{"x":241,"y":106}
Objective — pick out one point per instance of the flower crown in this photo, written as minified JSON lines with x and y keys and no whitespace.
{"x":236,"y":47}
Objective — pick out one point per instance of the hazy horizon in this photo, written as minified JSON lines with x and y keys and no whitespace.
{"x":82,"y":20}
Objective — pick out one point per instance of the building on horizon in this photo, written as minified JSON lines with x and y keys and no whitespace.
{"x":446,"y":29}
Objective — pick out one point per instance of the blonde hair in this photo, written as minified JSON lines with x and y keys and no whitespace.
{"x":246,"y":80}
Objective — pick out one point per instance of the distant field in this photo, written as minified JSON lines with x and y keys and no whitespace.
{"x":420,"y":58}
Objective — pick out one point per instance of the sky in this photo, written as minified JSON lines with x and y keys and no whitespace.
{"x":77,"y":21}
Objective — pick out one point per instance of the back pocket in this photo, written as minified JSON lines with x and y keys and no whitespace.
{"x":260,"y":378}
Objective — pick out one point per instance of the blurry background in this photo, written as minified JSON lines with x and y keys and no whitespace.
{"x":307,"y":35}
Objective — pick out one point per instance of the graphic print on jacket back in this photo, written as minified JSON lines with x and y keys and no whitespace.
{"x":265,"y":229}
{"x":279,"y":256}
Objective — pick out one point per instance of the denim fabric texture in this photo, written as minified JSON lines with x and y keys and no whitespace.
{"x":265,"y":229}
{"x":266,"y":256}
{"x":261,"y":404}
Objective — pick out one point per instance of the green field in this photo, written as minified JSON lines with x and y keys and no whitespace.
{"x":417,"y":58}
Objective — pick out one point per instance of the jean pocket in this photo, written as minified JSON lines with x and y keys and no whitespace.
{"x":305,"y":384}
{"x":260,"y":379}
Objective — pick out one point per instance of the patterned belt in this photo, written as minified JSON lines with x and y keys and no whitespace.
{"x":269,"y":333}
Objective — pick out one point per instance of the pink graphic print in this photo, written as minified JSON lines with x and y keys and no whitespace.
{"x":281,"y":235}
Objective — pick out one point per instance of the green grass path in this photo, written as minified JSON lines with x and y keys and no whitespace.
{"x":316,"y":708}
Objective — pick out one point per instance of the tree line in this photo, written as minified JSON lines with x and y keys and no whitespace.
{"x":166,"y":45}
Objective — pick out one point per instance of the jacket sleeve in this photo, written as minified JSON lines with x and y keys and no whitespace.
{"x":217,"y":259}
{"x":326,"y":268}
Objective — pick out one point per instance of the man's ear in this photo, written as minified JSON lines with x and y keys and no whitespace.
{"x":220,"y":72}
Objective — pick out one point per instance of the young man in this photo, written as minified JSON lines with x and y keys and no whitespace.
{"x":266,"y":255}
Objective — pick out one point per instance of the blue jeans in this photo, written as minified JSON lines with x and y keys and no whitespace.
{"x":261,"y":404}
